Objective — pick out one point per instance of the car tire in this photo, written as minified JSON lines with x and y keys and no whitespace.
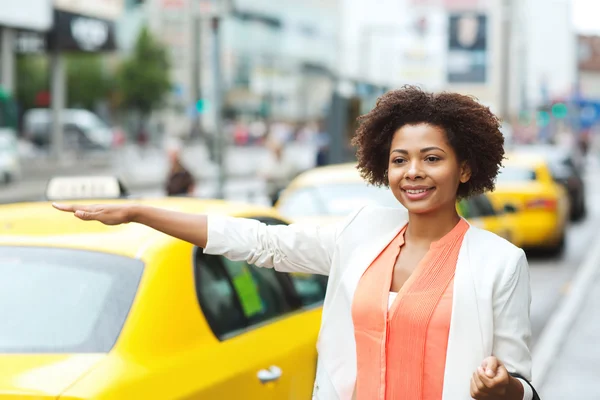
{"x":559,"y":248}
{"x":580,"y":212}
{"x":6,"y":178}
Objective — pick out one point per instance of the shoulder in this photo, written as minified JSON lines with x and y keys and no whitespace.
{"x":378,"y":218}
{"x":489,"y":244}
{"x":371,"y":222}
{"x":502,"y":261}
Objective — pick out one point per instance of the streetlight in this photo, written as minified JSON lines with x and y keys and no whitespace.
{"x":214,"y":11}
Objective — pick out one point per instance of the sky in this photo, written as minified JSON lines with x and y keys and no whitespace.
{"x":586,"y":16}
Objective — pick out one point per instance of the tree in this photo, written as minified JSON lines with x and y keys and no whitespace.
{"x":87,"y":81}
{"x":32,"y":79}
{"x":144,"y":77}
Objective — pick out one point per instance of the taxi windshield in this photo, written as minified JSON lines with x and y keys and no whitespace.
{"x":337,"y":199}
{"x":62,"y":300}
{"x":516,"y":174}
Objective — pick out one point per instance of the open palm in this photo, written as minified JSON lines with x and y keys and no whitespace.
{"x":108,"y":214}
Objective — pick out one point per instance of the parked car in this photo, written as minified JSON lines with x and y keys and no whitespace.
{"x":537,"y":205}
{"x":82,"y":129}
{"x":566,"y":168}
{"x":97,"y":312}
{"x":10,"y":163}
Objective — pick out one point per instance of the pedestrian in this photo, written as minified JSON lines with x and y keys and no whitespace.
{"x":419,"y":304}
{"x":277,"y":170}
{"x":180,"y":182}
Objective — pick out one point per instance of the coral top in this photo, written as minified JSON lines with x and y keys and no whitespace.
{"x":401,"y":352}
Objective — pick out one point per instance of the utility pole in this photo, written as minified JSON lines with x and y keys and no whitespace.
{"x":505,"y":61}
{"x":213,"y":11}
{"x":218,"y":105}
{"x":58,"y":86}
{"x":7,"y":57}
{"x":196,"y":72}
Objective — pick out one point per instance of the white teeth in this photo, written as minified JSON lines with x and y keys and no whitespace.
{"x":416,"y":191}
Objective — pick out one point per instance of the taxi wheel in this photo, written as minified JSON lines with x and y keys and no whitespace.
{"x":559,"y":248}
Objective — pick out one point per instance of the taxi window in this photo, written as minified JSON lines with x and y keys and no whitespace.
{"x":484,"y":206}
{"x":234,"y":295}
{"x":310,"y":288}
{"x":64,"y":301}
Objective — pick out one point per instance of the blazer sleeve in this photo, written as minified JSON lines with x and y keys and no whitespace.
{"x":287,"y":248}
{"x":512,"y":325}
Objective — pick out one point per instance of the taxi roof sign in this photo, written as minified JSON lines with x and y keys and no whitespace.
{"x":84,"y":187}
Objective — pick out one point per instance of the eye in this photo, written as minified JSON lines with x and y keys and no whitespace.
{"x":398,"y":161}
{"x":432,"y":159}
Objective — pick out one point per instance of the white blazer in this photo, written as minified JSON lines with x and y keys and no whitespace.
{"x":491,"y":301}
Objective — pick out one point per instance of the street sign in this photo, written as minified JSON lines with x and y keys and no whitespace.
{"x":212,"y":8}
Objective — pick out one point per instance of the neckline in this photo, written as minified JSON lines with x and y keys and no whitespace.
{"x":458,"y":229}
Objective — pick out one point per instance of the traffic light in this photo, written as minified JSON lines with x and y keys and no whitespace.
{"x":559,"y":111}
{"x":543,"y":118}
{"x":202,"y":106}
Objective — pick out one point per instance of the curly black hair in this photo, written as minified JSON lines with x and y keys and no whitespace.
{"x":473,"y":131}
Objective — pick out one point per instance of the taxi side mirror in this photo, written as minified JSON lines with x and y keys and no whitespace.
{"x":510,"y":209}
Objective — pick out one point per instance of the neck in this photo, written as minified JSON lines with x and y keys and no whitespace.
{"x":430,"y":227}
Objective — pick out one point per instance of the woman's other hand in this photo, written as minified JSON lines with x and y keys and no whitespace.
{"x":108,"y":214}
{"x":492,"y":381}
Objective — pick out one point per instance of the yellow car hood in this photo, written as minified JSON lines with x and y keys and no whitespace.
{"x":42,"y":376}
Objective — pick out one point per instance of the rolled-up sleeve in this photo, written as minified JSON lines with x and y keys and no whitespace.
{"x":287,"y":248}
{"x":512,"y":325}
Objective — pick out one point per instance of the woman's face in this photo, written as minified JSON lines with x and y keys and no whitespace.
{"x":424,"y":171}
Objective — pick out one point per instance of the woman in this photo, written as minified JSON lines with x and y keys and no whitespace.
{"x":419,"y":304}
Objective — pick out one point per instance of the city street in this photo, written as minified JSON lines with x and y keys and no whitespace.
{"x":551,"y":278}
{"x":144,"y":171}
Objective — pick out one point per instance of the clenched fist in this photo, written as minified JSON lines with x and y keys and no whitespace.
{"x":492,"y":381}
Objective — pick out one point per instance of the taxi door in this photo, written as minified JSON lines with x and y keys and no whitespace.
{"x":266,"y":333}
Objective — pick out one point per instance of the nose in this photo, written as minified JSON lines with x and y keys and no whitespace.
{"x":414,"y":171}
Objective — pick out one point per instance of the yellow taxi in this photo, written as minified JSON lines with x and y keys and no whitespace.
{"x":327,"y":194}
{"x":90,"y":311}
{"x":536,"y":205}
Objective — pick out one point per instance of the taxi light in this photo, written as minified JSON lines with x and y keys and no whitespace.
{"x":84,"y":187}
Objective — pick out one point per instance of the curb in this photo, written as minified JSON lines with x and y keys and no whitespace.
{"x":561,"y":322}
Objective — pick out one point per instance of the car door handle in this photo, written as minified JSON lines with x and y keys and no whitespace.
{"x":269,"y":375}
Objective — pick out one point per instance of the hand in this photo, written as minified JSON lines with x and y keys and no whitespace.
{"x":490,"y":381}
{"x":108,"y":214}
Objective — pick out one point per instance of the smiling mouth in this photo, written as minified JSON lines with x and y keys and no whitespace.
{"x":417,"y":191}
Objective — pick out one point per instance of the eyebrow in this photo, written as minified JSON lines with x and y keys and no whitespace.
{"x":424,"y":150}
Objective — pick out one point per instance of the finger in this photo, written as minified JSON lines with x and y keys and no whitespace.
{"x":64,"y":207}
{"x":488,"y":382}
{"x":476,"y":393}
{"x":490,"y":365}
{"x":84,"y":215}
{"x":481,"y":388}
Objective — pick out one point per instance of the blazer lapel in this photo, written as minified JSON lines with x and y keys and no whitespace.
{"x":339,"y":339}
{"x":465,"y":343}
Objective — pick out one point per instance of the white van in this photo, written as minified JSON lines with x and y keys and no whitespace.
{"x":82,"y":129}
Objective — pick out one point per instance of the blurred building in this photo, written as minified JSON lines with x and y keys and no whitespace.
{"x":35,"y":15}
{"x":504,"y":52}
{"x":589,"y":66}
{"x":278,"y":58}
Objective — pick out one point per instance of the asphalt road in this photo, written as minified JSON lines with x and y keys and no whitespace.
{"x":551,"y":277}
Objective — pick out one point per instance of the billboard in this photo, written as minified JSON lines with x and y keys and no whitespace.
{"x":467,"y":48}
{"x":105,"y":9}
{"x":81,"y":33}
{"x":28,"y":14}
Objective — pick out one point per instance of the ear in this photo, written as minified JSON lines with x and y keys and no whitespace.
{"x":465,"y":172}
